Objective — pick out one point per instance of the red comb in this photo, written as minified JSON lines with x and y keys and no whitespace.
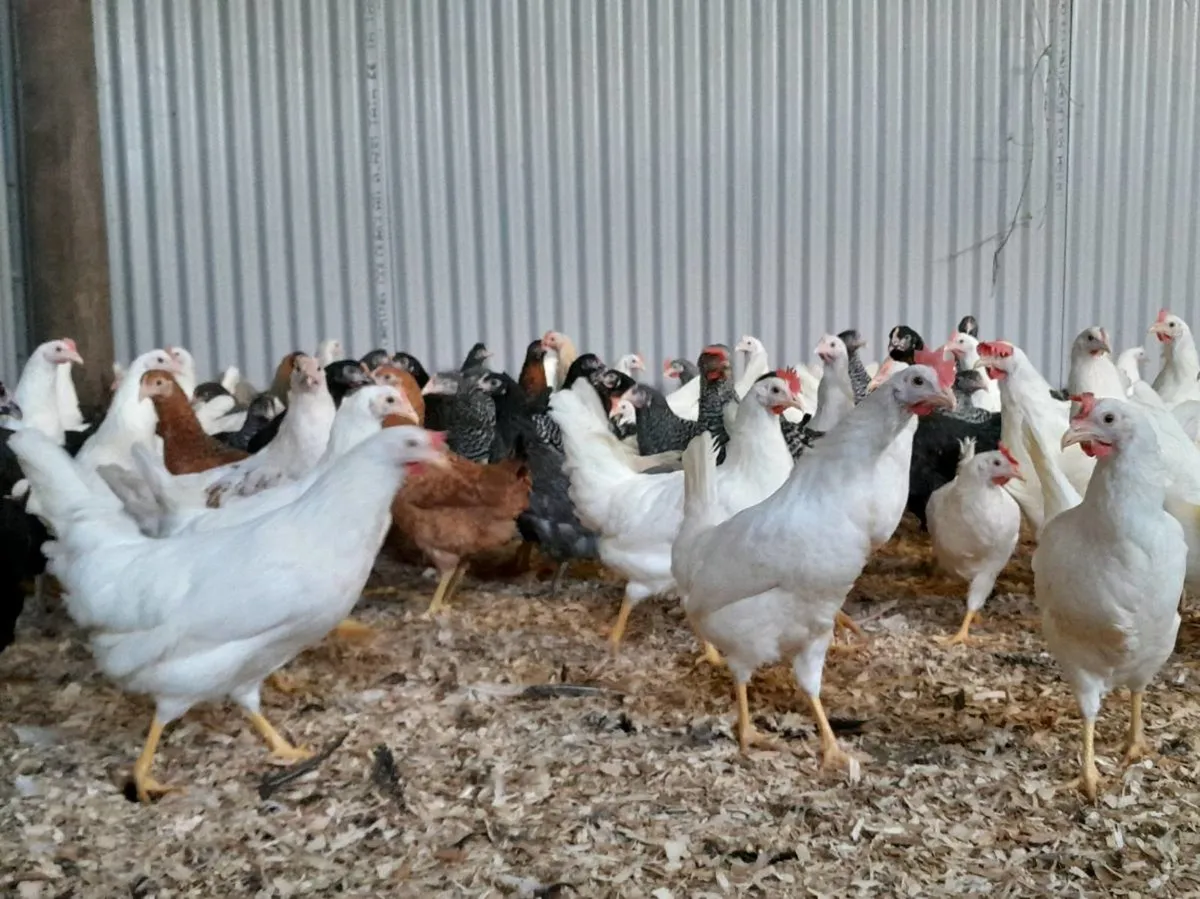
{"x":1086,"y":403}
{"x":791,"y":378}
{"x":714,"y":350}
{"x":70,"y":344}
{"x":945,"y":368}
{"x":1007,"y":454}
{"x":1001,"y":349}
{"x":1162,"y":316}
{"x":667,"y":367}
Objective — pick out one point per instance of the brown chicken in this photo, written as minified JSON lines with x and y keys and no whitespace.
{"x":533,"y":371}
{"x":402,"y":380}
{"x":454,"y":512}
{"x":186,"y":448}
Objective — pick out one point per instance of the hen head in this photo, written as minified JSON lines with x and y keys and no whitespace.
{"x":903,"y":341}
{"x":853,"y":340}
{"x":156,"y":383}
{"x":1091,"y":342}
{"x":969,"y":326}
{"x":778,"y":391}
{"x":1167,"y":327}
{"x":998,"y":358}
{"x":749,"y":344}
{"x":1000,"y":466}
{"x":714,"y":363}
{"x":631,"y":362}
{"x":831,"y":347}
{"x":60,"y":352}
{"x":307,"y":374}
{"x":921,"y":389}
{"x":1099,"y":426}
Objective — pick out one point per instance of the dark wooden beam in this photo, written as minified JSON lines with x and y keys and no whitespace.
{"x":66,"y":238}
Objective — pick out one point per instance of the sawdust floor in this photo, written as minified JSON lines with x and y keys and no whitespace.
{"x":452,"y":781}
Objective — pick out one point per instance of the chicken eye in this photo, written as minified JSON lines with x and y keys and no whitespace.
{"x":919,"y":381}
{"x":390,"y":400}
{"x":1109,"y":418}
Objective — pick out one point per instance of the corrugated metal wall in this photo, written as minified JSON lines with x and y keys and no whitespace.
{"x":14,"y":337}
{"x":645,"y":175}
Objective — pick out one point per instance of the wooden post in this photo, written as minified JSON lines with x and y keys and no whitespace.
{"x":63,"y":187}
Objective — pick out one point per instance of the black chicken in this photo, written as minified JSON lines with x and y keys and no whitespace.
{"x":936,"y":446}
{"x":472,"y":425}
{"x":904,"y":343}
{"x":550,"y":520}
{"x":476,"y":362}
{"x":261,"y":412}
{"x":968,"y":325}
{"x":374,"y":359}
{"x":683,"y":369}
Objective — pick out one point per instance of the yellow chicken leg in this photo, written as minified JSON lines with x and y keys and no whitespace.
{"x":147,"y":787}
{"x":964,"y":632}
{"x":442,"y":594}
{"x":832,"y":755}
{"x":1136,"y":746}
{"x":710,"y":655}
{"x":353,"y":630}
{"x":844,"y":621}
{"x":748,"y":735}
{"x":618,"y":630}
{"x":1089,"y":778}
{"x":276,"y":742}
{"x":460,"y":571}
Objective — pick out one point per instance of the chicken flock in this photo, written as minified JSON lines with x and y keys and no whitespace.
{"x":756,"y":499}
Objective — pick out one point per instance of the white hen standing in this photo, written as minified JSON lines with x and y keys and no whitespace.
{"x":185,"y":619}
{"x":1176,"y":381}
{"x":1092,"y":368}
{"x":975,"y":524}
{"x":1026,"y":398}
{"x":1108,"y":572}
{"x":37,"y":392}
{"x":767,"y":583}
{"x":637,"y":515}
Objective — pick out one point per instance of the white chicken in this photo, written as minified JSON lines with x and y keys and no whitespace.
{"x":186,"y":620}
{"x":361,"y":414}
{"x":756,"y":364}
{"x":1130,"y":363}
{"x":767,"y":583}
{"x":185,"y":377}
{"x":835,"y":393}
{"x":328,"y":351}
{"x":631,"y":364}
{"x":965,"y":350}
{"x":1092,"y":368}
{"x":637,"y":515}
{"x":68,"y":399}
{"x":1176,"y":381}
{"x":1108,"y":571}
{"x":37,"y":391}
{"x":1026,"y":397}
{"x":974,"y":524}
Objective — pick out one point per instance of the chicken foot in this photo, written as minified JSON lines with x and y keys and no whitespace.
{"x":445,"y":589}
{"x":1136,"y":747}
{"x":352,"y":629}
{"x":963,"y":636}
{"x":832,"y":755}
{"x":748,"y":735}
{"x":147,"y":787}
{"x":556,"y":584}
{"x":276,"y":742}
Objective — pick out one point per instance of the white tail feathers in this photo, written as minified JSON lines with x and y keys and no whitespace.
{"x":699,"y":477}
{"x":966,"y":450}
{"x":1058,"y":494}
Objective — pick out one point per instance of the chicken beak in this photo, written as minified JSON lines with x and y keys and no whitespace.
{"x":73,"y":357}
{"x":1159,"y":328}
{"x":943,"y":400}
{"x":1015,"y":473}
{"x":794,"y":402}
{"x":1080,"y":433}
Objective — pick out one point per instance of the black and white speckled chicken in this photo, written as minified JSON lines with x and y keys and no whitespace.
{"x":860,"y":379}
{"x":472,"y":425}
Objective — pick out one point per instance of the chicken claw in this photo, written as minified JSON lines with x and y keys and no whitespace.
{"x":748,"y":735}
{"x":1088,"y":781}
{"x":963,"y":636}
{"x":845,"y":622}
{"x":284,"y":683}
{"x":710,"y":656}
{"x":833,"y":757}
{"x":445,"y":589}
{"x":279,"y":746}
{"x":147,"y":787}
{"x":350,"y":629}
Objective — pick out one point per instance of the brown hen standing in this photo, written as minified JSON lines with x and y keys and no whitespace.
{"x":186,"y":448}
{"x":452,"y":513}
{"x":402,"y":380}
